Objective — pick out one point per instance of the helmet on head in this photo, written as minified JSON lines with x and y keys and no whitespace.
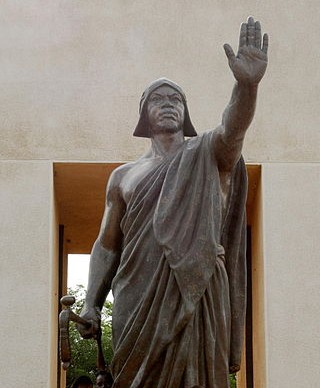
{"x":142,"y":128}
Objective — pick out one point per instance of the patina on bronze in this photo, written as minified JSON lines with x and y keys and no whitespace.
{"x":172,"y":239}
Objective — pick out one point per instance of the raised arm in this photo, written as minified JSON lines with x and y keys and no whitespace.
{"x":105,"y":256}
{"x":248,"y":67}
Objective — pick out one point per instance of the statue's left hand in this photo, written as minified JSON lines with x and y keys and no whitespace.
{"x":250,"y":63}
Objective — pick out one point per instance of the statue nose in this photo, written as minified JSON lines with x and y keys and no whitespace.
{"x":167,"y":103}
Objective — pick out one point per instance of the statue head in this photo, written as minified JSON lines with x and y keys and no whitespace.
{"x":143,"y":127}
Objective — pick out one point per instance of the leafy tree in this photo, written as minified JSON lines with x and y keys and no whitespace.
{"x":84,"y":352}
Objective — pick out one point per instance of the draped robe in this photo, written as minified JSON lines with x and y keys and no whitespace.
{"x":179,"y":292}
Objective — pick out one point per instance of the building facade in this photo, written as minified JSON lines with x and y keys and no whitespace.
{"x":72,"y":74}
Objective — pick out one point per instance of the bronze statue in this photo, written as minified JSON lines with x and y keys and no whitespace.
{"x":172,"y":240}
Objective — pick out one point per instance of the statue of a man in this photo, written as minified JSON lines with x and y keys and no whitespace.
{"x":172,"y":240}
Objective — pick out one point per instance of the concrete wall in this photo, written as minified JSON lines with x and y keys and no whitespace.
{"x":291,"y":213}
{"x":71,"y":77}
{"x":72,"y":73}
{"x":26,"y":268}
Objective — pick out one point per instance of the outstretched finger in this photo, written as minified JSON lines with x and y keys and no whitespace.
{"x":229,"y":52}
{"x":251,"y":31}
{"x":258,"y":35}
{"x":265,"y":43}
{"x":243,"y":35}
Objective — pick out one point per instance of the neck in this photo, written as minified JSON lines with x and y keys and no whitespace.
{"x":166,"y":144}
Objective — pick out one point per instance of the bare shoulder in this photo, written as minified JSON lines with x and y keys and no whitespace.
{"x":116,"y":179}
{"x":118,"y":174}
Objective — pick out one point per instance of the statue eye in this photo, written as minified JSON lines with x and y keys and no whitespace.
{"x":156,"y":98}
{"x":176,"y":99}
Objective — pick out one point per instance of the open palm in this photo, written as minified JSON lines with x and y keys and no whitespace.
{"x":250,"y":63}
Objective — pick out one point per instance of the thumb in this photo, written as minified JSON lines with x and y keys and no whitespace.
{"x":229,"y":52}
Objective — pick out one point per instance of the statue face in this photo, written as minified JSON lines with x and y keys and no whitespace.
{"x":165,"y":110}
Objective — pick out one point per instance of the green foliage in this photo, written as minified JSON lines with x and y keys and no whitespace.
{"x":84,"y":352}
{"x":233,"y":381}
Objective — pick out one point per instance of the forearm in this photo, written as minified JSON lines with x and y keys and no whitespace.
{"x":229,"y":136}
{"x":239,"y":113}
{"x":103,"y":266}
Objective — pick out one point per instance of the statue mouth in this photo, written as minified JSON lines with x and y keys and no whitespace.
{"x":169,"y":114}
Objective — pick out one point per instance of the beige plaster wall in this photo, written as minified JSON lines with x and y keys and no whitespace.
{"x":72,"y":73}
{"x":291,"y":214}
{"x":26,"y":274}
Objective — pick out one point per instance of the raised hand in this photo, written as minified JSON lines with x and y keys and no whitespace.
{"x":250,"y":63}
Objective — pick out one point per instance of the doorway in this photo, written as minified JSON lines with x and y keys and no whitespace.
{"x":80,"y":196}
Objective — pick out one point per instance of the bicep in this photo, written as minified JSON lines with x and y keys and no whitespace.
{"x":110,"y":234}
{"x":225,"y":151}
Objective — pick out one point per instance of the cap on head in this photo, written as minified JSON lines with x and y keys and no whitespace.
{"x":142,"y":128}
